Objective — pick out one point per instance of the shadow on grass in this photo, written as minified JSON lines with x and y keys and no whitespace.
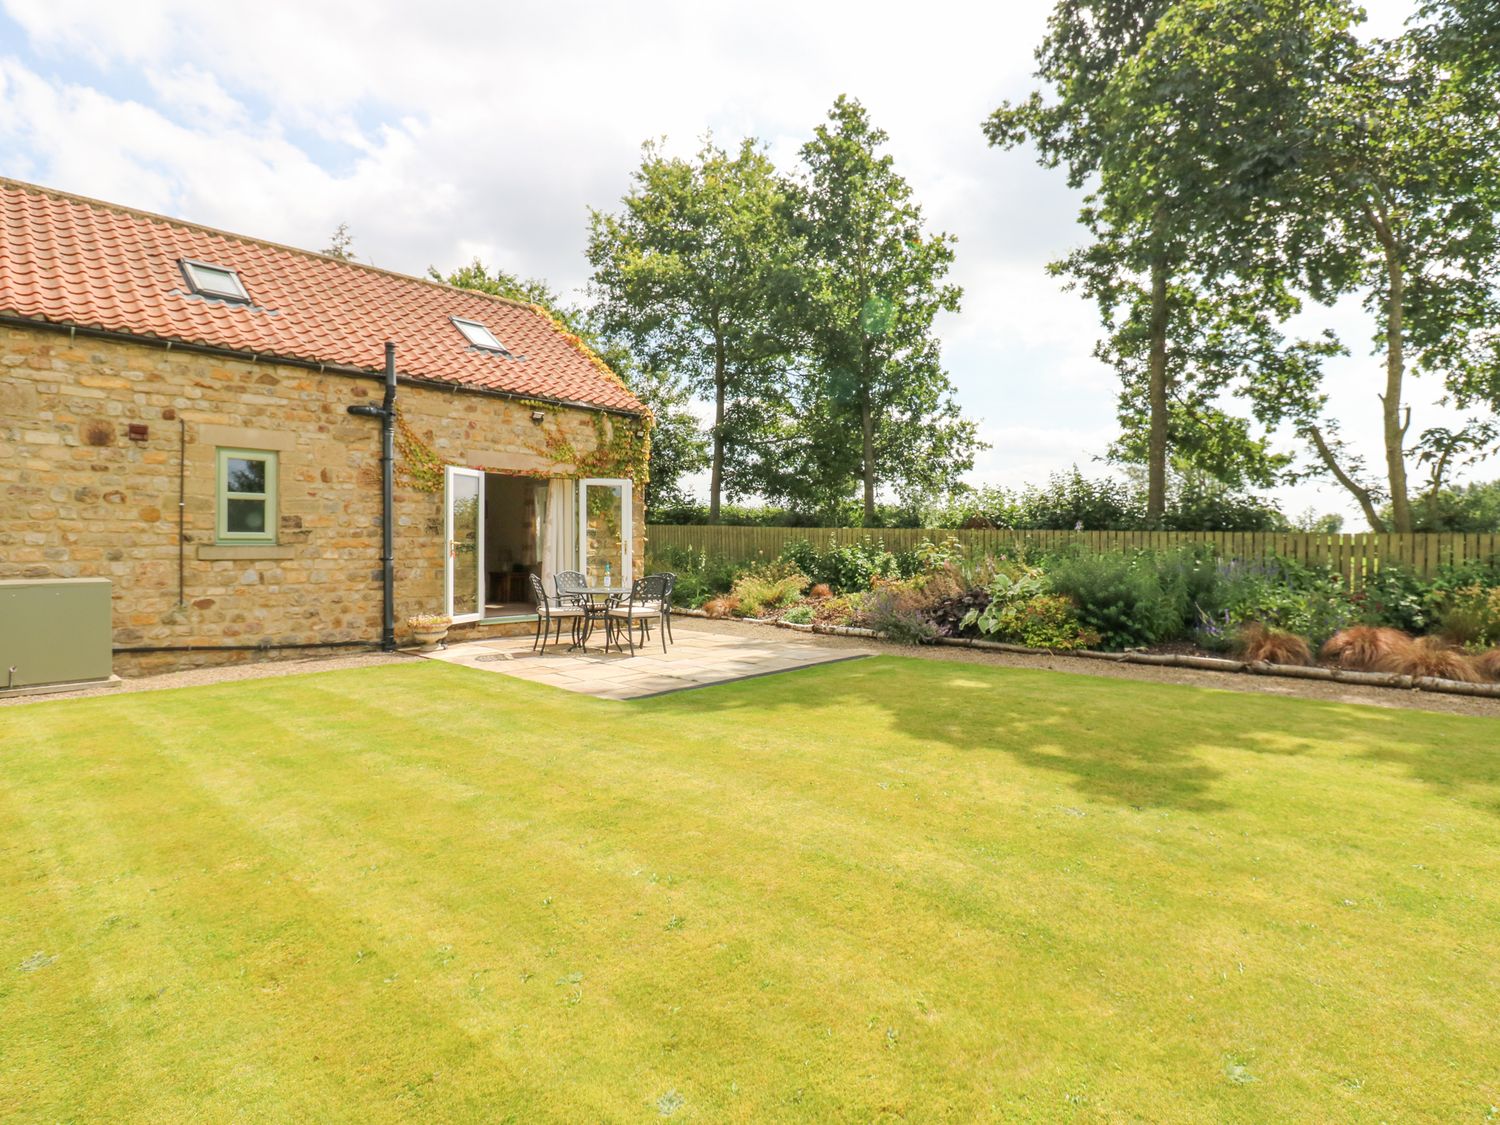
{"x":1135,"y":744}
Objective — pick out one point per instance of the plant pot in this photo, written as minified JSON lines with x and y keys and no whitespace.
{"x":430,"y":639}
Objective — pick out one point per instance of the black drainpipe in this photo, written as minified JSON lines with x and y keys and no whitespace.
{"x":386,"y":412}
{"x":181,"y":511}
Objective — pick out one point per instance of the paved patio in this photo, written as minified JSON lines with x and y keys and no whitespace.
{"x":700,"y":656}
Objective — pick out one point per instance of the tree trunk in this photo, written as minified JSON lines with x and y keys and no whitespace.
{"x":716,"y":470}
{"x":1395,"y":365}
{"x":1395,"y":369}
{"x":867,"y":432}
{"x":1156,"y":448}
{"x":1358,"y":491}
{"x":867,"y":428}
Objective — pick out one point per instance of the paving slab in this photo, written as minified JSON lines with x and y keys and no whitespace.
{"x":699,"y":658}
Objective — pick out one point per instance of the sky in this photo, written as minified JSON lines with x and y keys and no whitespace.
{"x":490,"y":130}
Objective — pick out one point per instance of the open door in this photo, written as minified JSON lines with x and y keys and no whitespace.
{"x":604,"y":532}
{"x":464,"y":530}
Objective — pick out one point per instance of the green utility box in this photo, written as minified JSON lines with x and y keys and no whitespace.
{"x":54,"y":631}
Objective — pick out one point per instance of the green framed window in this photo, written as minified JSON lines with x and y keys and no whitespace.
{"x":247,"y":496}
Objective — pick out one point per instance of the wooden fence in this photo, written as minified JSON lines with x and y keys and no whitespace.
{"x":1354,"y":556}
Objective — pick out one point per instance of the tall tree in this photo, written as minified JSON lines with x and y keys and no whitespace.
{"x":1142,"y":118}
{"x":684,"y":273}
{"x":871,"y":286}
{"x":678,"y":448}
{"x":1395,"y":198}
{"x":1087,"y":45}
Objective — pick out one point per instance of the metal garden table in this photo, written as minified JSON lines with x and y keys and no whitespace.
{"x":596,"y":601}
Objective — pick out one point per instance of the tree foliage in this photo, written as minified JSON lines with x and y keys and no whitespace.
{"x":1245,"y":156}
{"x":1395,"y":201}
{"x":340,"y":243}
{"x":876,"y":406}
{"x":1467,"y":508}
{"x":686,"y":274}
{"x":1141,"y":115}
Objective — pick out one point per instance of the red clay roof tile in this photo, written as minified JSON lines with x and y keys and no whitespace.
{"x":69,"y":260}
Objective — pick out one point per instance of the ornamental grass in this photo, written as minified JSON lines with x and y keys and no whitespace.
{"x":1431,"y":656}
{"x":1364,"y":648}
{"x":1261,"y":644}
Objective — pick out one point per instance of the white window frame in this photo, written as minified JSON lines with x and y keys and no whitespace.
{"x":222,"y":496}
{"x":627,"y":525}
{"x":479,"y":336}
{"x":202,"y":286}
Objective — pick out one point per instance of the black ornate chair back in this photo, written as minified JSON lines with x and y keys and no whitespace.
{"x":568,"y":582}
{"x":539,"y":592}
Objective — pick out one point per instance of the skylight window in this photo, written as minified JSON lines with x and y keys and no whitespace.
{"x":480,"y":336}
{"x":214,"y":281}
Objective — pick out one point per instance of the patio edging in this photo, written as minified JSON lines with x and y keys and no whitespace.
{"x":1166,"y":660}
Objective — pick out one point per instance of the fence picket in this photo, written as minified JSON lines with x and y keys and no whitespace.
{"x":1356,"y":556}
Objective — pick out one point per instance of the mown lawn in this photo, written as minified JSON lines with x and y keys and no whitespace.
{"x":887,"y":889}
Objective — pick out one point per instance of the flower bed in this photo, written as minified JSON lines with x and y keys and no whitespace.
{"x":1182,"y":605}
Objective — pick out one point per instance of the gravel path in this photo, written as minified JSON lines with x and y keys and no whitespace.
{"x":1225,"y":681}
{"x":222,"y":674}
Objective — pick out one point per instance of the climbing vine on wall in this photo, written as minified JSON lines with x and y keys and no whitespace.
{"x":419,"y":465}
{"x":621,"y":449}
{"x":622,"y":446}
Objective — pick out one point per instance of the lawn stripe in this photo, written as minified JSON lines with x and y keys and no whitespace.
{"x":59,"y":1046}
{"x":905,"y":889}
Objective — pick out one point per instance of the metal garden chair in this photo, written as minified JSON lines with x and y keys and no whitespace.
{"x":647,"y":602}
{"x":549,"y":613}
{"x":666,"y":604}
{"x":569,"y":583}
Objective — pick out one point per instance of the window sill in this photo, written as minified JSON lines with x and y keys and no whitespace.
{"x":247,"y":551}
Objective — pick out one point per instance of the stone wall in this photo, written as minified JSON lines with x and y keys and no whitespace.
{"x":82,"y":496}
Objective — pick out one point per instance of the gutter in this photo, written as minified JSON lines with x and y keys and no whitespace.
{"x":72,"y":330}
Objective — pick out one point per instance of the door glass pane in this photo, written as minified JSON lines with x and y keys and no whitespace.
{"x":604,"y":528}
{"x":463,"y":495}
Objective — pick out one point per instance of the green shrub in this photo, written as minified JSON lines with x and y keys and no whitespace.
{"x":699,"y":575}
{"x":1287,"y":596}
{"x":799,"y":615}
{"x":1196,"y":572}
{"x":841,"y":610}
{"x":843,"y":566}
{"x":1121,"y":598}
{"x":1395,"y":597}
{"x":1042,"y":621}
{"x":1005,"y":593}
{"x":1471,"y":616}
{"x":928,"y":557}
{"x":896,"y":610}
{"x":757,"y":592}
{"x":1194,"y":503}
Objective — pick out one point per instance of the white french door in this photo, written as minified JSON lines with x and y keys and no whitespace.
{"x":605,"y":534}
{"x":463,"y":529}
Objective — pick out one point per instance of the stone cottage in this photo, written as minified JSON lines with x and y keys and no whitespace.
{"x":174,"y":416}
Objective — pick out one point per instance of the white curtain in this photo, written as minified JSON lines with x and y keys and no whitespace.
{"x":557,"y":532}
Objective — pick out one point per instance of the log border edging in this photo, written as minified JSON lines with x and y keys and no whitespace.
{"x":1163,"y":660}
